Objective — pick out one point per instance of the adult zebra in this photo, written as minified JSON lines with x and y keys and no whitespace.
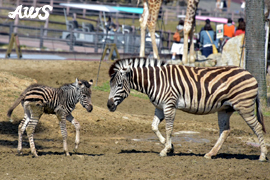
{"x":191,"y":89}
{"x":38,"y":99}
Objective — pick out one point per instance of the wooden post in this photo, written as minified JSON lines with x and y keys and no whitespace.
{"x":84,"y":11}
{"x":51,"y":4}
{"x":16,"y":22}
{"x":34,"y":3}
{"x":68,"y":8}
{"x":14,"y":39}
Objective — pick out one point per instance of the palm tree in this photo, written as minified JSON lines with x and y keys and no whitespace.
{"x":255,"y":42}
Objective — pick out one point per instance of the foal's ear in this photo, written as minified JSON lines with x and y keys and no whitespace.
{"x":91,"y":81}
{"x":78,"y":82}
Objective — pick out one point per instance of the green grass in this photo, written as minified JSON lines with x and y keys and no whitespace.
{"x":106,"y":88}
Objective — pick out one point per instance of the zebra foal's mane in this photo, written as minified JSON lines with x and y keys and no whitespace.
{"x":134,"y":62}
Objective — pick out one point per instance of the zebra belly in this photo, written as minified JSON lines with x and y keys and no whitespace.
{"x":181,"y":104}
{"x":48,"y":110}
{"x":194,"y":108}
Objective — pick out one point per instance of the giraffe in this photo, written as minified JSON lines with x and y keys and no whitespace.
{"x":149,"y":18}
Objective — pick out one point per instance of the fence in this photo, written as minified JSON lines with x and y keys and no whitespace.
{"x":78,"y":40}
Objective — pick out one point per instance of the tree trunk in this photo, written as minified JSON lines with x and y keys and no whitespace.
{"x":255,"y":42}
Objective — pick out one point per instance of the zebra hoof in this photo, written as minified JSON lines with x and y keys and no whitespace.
{"x":263,"y":158}
{"x":19,"y":153}
{"x":207,"y":156}
{"x":75,"y":150}
{"x":163,"y":153}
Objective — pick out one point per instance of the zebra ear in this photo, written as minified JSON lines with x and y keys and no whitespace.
{"x":91,"y":82}
{"x":78,"y":82}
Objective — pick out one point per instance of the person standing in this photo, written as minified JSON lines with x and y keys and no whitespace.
{"x":240,"y":29}
{"x":178,"y":46}
{"x":207,"y":40}
{"x":229,"y":29}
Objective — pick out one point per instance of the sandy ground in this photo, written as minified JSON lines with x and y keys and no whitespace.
{"x":119,"y":145}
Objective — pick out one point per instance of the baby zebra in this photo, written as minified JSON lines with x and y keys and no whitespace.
{"x":38,"y":99}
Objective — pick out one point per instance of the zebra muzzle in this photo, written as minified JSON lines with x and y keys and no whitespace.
{"x":89,"y":108}
{"x":111,"y":106}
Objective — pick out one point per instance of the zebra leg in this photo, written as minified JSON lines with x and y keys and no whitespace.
{"x":224,"y":131}
{"x":21,"y":130}
{"x":77,"y":126}
{"x":254,"y":124}
{"x":64,"y":133}
{"x":30,"y":129}
{"x":159,"y":116}
{"x":34,"y":111}
{"x":169,"y":117}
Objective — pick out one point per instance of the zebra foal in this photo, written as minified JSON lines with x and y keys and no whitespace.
{"x":190,"y":89}
{"x":38,"y":99}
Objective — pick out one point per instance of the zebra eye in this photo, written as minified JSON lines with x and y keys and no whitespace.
{"x":119,"y":85}
{"x":84,"y":96}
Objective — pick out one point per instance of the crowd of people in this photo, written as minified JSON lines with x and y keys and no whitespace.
{"x":207,"y":37}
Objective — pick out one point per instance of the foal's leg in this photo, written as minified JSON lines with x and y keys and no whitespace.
{"x":77,"y":126}
{"x":36,"y":112}
{"x":224,"y":131}
{"x":159,"y":116}
{"x":62,"y":119}
{"x":169,"y":113}
{"x":21,"y":130}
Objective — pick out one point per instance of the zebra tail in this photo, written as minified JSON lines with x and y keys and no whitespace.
{"x":16,"y":103}
{"x":259,"y":114}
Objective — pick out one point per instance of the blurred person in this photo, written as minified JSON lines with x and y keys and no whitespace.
{"x":229,"y":29}
{"x":207,"y":40}
{"x":178,"y":46}
{"x":239,"y":20}
{"x":240,"y":29}
{"x":207,"y":21}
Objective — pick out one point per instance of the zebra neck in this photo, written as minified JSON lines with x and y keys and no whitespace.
{"x":71,"y":93}
{"x":139,"y":80}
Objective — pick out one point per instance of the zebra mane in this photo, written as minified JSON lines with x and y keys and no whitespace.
{"x":67,"y":86}
{"x":134,"y":62}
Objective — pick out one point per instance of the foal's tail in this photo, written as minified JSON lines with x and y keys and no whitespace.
{"x":259,"y":114}
{"x":16,"y":103}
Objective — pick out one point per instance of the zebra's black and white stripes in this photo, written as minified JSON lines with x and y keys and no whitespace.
{"x":38,"y":99}
{"x":191,"y":89}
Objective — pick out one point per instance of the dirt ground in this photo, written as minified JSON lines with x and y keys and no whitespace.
{"x":119,"y":145}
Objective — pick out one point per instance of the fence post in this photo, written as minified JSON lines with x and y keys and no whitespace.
{"x":71,"y":40}
{"x":41,"y":37}
{"x":11,"y":26}
{"x":96,"y":42}
{"x":169,"y":37}
{"x":84,"y":11}
{"x":166,"y":16}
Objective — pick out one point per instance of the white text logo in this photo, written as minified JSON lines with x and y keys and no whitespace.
{"x":30,"y":13}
